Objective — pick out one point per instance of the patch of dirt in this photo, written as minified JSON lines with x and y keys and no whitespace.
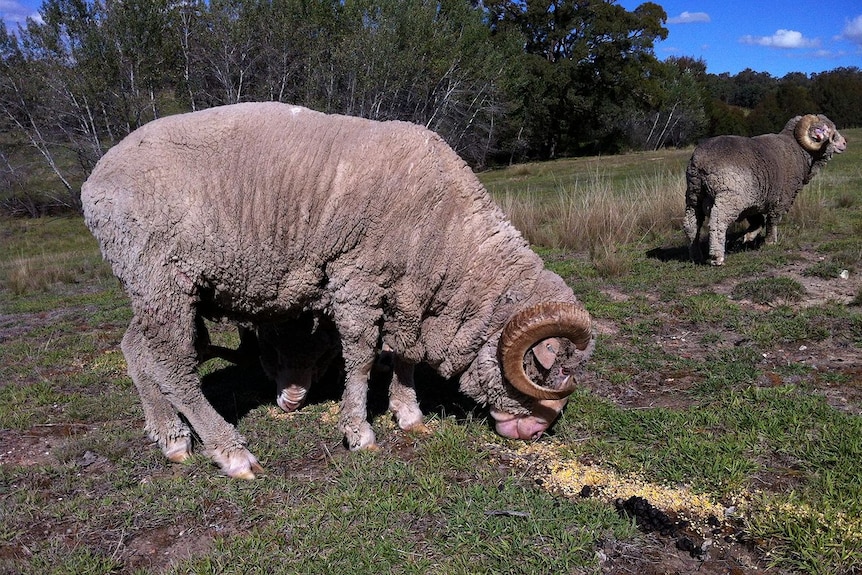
{"x":34,"y":446}
{"x":818,"y":290}
{"x":680,"y":338}
{"x":653,"y":555}
{"x":157,"y":549}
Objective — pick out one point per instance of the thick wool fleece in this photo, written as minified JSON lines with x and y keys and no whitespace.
{"x":732,"y":177}
{"x":259,"y":212}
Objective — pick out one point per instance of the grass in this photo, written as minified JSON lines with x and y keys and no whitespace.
{"x":711,"y":388}
{"x":596,"y":214}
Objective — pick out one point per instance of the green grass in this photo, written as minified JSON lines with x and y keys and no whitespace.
{"x":720,"y":380}
{"x":769,"y":290}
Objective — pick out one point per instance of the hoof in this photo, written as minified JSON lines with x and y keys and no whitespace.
{"x":178,"y":450}
{"x":406,"y":413}
{"x":361,"y":439}
{"x":287,"y":405}
{"x":418,"y":429}
{"x":291,"y":398}
{"x":239,"y":464}
{"x":409,"y":419}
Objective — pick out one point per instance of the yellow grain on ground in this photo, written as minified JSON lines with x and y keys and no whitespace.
{"x":328,"y":415}
{"x":111,"y":363}
{"x":562,"y":475}
{"x":846,"y":529}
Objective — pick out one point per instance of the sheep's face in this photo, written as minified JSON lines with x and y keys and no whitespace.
{"x":552,"y":364}
{"x":827,"y":134}
{"x":818,"y":135}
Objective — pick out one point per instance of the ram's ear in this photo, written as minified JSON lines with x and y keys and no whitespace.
{"x":546,"y":351}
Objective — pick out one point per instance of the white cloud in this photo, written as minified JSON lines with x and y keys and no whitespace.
{"x":782,"y":39}
{"x":853,"y":30}
{"x":689,"y":18}
{"x":14,"y":12}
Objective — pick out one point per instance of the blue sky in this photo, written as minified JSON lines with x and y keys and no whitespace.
{"x":774,"y":36}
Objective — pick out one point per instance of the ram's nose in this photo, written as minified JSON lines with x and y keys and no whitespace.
{"x":528,"y":427}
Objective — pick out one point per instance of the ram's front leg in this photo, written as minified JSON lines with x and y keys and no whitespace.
{"x":353,"y":418}
{"x":755,"y":225}
{"x":402,"y":398}
{"x":358,"y":326}
{"x":772,"y":222}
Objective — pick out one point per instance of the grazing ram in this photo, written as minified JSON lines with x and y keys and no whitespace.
{"x":731,"y":178}
{"x":260,"y":212}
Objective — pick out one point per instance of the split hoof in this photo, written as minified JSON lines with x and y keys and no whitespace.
{"x":418,"y":429}
{"x":240,"y":464}
{"x":362,"y":439}
{"x":291,"y":398}
{"x":178,"y":450}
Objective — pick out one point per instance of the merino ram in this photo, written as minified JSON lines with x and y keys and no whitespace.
{"x":261,"y":212}
{"x":731,"y":178}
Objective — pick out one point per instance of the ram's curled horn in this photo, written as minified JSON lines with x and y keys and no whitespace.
{"x":803,"y":135}
{"x":532,"y":325}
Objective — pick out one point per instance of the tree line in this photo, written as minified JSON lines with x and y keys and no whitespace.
{"x":501,"y":81}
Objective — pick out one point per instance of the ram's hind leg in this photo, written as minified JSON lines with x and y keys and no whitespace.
{"x":692,"y":224}
{"x":162,"y":358}
{"x":719,"y":220}
{"x":163,"y":424}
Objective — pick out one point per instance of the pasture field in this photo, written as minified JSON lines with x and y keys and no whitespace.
{"x":718,"y":431}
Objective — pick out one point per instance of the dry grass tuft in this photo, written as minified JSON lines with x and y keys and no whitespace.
{"x":810,"y":207}
{"x":597,"y":214}
{"x":37,"y":273}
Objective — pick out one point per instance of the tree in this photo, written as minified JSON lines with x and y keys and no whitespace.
{"x":676,"y":113}
{"x":749,"y":87}
{"x":583,"y":66}
{"x":838,"y":94}
{"x":723,"y":118}
{"x":772,"y":112}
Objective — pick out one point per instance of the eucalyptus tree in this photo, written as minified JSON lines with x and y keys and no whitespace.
{"x":583,"y":66}
{"x":433,"y":62}
{"x":676,"y":111}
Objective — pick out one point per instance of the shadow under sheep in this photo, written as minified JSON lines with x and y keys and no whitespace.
{"x":735,"y":244}
{"x":237,"y":389}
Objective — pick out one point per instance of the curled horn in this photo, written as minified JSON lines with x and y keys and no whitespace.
{"x":532,"y":325}
{"x":803,"y":127}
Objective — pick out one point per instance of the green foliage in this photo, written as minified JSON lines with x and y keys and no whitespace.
{"x":581,"y":62}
